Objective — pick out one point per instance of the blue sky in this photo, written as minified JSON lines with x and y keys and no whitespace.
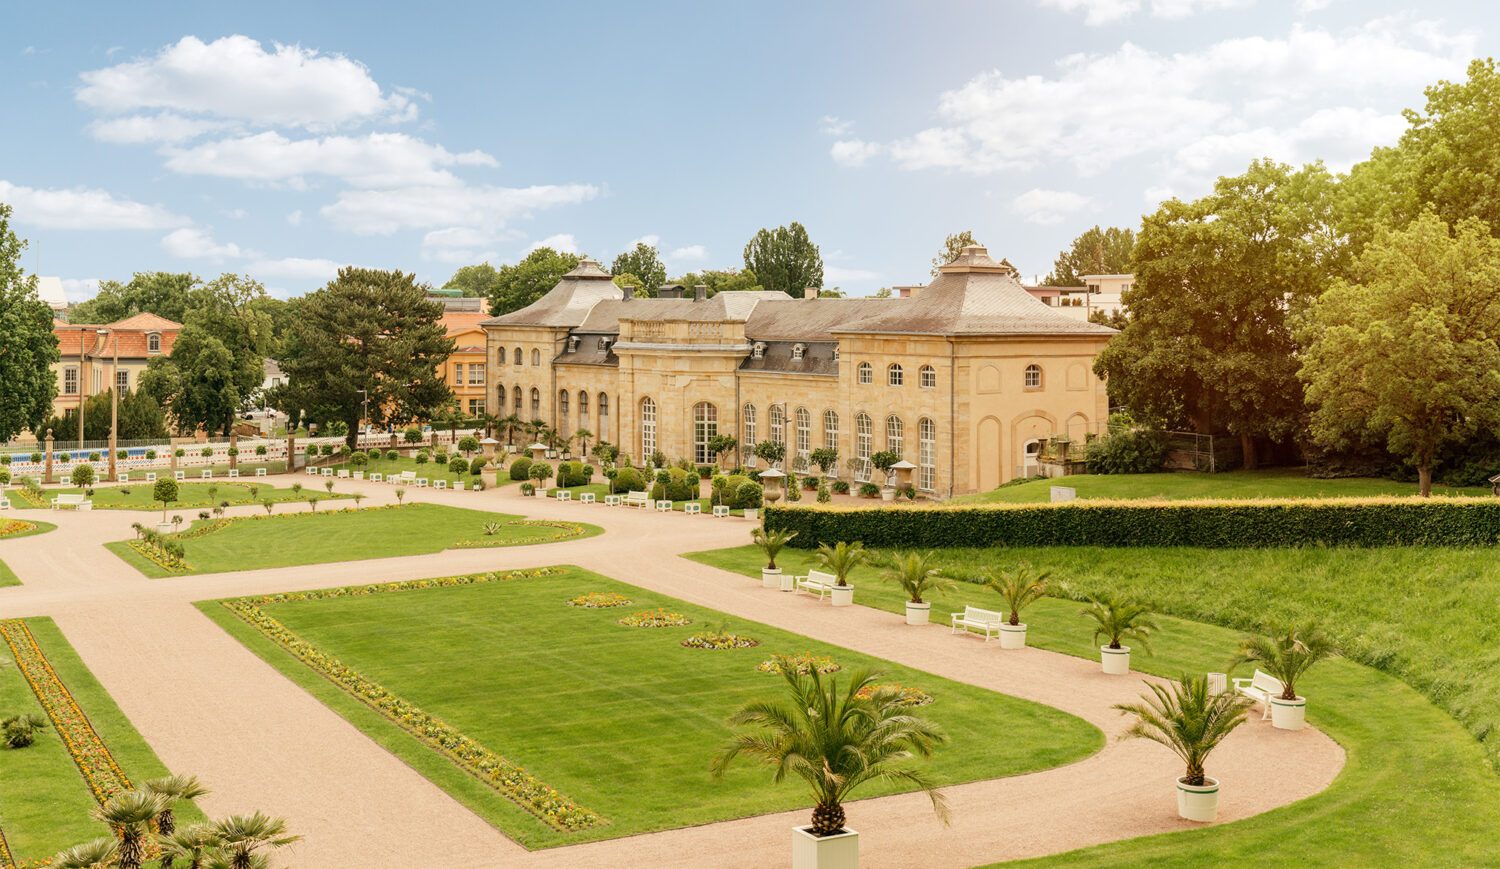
{"x":283,"y":140}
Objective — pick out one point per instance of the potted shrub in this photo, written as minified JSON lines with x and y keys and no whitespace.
{"x":868,"y":490}
{"x":771,"y":543}
{"x":1019,"y":589}
{"x":1119,"y":620}
{"x":883,"y":461}
{"x":539,"y":472}
{"x":1191,"y":721}
{"x":840,"y":560}
{"x":915,"y":573}
{"x":835,"y":740}
{"x":1287,"y":657}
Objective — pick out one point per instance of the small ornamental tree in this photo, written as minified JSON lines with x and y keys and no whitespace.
{"x":883,"y":461}
{"x":770,"y":452}
{"x":539,"y":472}
{"x":826,"y":458}
{"x":82,"y":476}
{"x":164,"y":493}
{"x":412,"y":435}
{"x":468,"y":444}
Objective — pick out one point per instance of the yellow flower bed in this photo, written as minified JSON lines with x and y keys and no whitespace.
{"x":905,"y":695}
{"x":802,"y":664}
{"x":597,"y":600}
{"x":15,"y":526}
{"x":657,"y":618}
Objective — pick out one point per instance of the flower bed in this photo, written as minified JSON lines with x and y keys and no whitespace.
{"x":596,"y":600}
{"x":509,"y":779}
{"x":719,"y":639}
{"x":657,"y":618}
{"x":905,"y":694}
{"x":802,"y":664}
{"x":568,"y":531}
{"x":16,"y":526}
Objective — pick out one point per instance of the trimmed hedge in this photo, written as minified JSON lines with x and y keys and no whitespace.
{"x":1215,"y":524}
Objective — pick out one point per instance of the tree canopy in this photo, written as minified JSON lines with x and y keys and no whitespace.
{"x":721,"y":280}
{"x":1095,"y":252}
{"x":516,"y":286}
{"x":785,"y":259}
{"x":644,"y":264}
{"x":27,"y":346}
{"x":953,"y":245}
{"x":476,"y":281}
{"x":165,"y":294}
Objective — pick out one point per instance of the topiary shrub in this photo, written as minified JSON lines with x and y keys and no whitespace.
{"x":441,"y":457}
{"x":260,"y":450}
{"x":749,"y":496}
{"x":83,"y":475}
{"x":476,"y":467}
{"x":458,"y":465}
{"x":412,"y":435}
{"x":392,"y":455}
{"x":206,"y":452}
{"x":326,"y":449}
{"x":627,"y":480}
{"x":359,"y":460}
{"x":520,"y":469}
{"x":420,"y":458}
{"x":4,"y":477}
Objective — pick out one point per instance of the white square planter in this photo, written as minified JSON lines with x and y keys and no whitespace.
{"x":839,"y":851}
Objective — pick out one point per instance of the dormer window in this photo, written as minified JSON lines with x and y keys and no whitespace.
{"x":759,"y":350}
{"x":835,"y":353}
{"x":797,"y":350}
{"x":572,"y":343}
{"x":153,"y":343}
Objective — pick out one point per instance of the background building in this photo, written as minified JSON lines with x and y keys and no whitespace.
{"x":89,"y":351}
{"x":464,"y":371}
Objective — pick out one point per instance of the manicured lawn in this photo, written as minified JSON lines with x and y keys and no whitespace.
{"x":8,"y":576}
{"x":288,"y":539}
{"x":196,"y":496}
{"x":1275,"y":483}
{"x":44,"y":800}
{"x":623,"y":721}
{"x":431,"y":470}
{"x":1424,"y":615}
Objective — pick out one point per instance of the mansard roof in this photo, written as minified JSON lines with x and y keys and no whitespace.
{"x":568,"y":303}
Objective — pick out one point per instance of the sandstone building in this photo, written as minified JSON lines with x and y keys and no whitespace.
{"x":961,"y":379}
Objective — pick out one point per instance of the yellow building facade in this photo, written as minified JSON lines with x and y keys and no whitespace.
{"x":963,"y":379}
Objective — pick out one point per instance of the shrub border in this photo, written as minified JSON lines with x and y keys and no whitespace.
{"x":506,"y":777}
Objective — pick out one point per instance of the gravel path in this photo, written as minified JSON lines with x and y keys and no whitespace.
{"x":209,"y":706}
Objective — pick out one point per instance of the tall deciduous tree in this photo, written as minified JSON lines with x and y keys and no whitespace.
{"x":165,"y":294}
{"x":1096,"y":252}
{"x":27,"y":346}
{"x":721,"y":280}
{"x":1406,"y":351}
{"x":953,"y":245}
{"x":644,"y":263}
{"x":208,"y":392}
{"x":785,"y":259}
{"x":371,"y":330}
{"x":1208,"y":344}
{"x":518,"y":285}
{"x":229,"y":308}
{"x":476,"y":281}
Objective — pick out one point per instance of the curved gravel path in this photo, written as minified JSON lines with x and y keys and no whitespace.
{"x":211,"y":707}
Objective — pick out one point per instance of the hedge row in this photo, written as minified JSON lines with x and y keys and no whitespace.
{"x":1218,"y":524}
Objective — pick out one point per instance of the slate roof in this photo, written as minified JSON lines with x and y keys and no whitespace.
{"x":736,"y":306}
{"x":817,"y":358}
{"x":808,"y":319}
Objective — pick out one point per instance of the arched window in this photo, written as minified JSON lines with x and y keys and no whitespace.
{"x":500,"y":357}
{"x":864,"y":441}
{"x":778,"y":424}
{"x":603,"y":416}
{"x":153,"y":343}
{"x":536,"y":403}
{"x":894,"y":434}
{"x":562,"y":413}
{"x":500,"y":399}
{"x":648,"y":428}
{"x":748,"y":447}
{"x":894,"y":376}
{"x":705,"y":429}
{"x":536,"y":357}
{"x":927,"y":454}
{"x":927,"y":377}
{"x":830,"y":429}
{"x":1032,"y":379}
{"x":517,"y":401}
{"x":804,"y":437}
{"x":866,"y":373}
{"x":583,"y":409}
{"x":519,"y":358}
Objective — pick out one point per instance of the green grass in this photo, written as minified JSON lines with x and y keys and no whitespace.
{"x":1417,"y":789}
{"x":194,"y":496}
{"x":431,"y":470}
{"x":8,"y":576}
{"x":44,"y":801}
{"x":289,"y":539}
{"x":622,"y":720}
{"x":1275,"y":483}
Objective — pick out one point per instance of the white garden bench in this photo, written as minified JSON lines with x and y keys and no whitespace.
{"x":150,"y":476}
{"x":637,"y":499}
{"x":376,"y":477}
{"x":563,"y":495}
{"x":179,"y":475}
{"x":406,"y":477}
{"x":440,"y":484}
{"x":343,"y":474}
{"x":613,"y":500}
{"x":234,"y":473}
{"x":260,"y":472}
{"x":663,"y":506}
{"x":720,"y":511}
{"x":974,"y":618}
{"x":816,"y":581}
{"x":206,"y":475}
{"x":77,"y":502}
{"x":586,"y":497}
{"x":692,"y":508}
{"x":1261,"y":688}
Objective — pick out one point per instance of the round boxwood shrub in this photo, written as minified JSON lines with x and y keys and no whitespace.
{"x":179,"y":452}
{"x":232,"y":452}
{"x":476,"y":467}
{"x":83,"y":475}
{"x":4,"y":477}
{"x":392,"y":455}
{"x":421,"y":458}
{"x":627,"y":480}
{"x":412,"y":435}
{"x":441,"y":457}
{"x":64,"y":458}
{"x":5,"y":459}
{"x":359,"y":460}
{"x":260,"y":449}
{"x":36,"y":458}
{"x":520,"y":469}
{"x":458,"y":465}
{"x":326,"y":449}
{"x":748,"y":496}
{"x":206,"y":452}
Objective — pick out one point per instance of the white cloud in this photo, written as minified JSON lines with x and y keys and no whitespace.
{"x":834,"y":125}
{"x":235,"y":77}
{"x":382,"y":212}
{"x":163,"y":127}
{"x":83,"y":208}
{"x":1097,"y":12}
{"x":836,"y":275}
{"x":563,"y":242}
{"x":1047,"y":207}
{"x":458,"y":244}
{"x":295,"y":268}
{"x":853,"y":152}
{"x":1312,"y":93}
{"x":1306,"y":6}
{"x":295,"y":218}
{"x":650,"y":239}
{"x":373,"y":160}
{"x":690,"y":253}
{"x":193,"y":243}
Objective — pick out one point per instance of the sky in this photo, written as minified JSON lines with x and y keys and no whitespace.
{"x":283,"y":140}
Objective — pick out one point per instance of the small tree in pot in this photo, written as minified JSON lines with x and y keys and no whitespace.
{"x":840,"y":560}
{"x":835,"y":740}
{"x":771,"y":543}
{"x":1019,"y":589}
{"x":540,"y":472}
{"x":883,"y":461}
{"x":1119,"y":620}
{"x":916,"y":574}
{"x":770,"y":452}
{"x":1287,"y":657}
{"x":827,"y":460}
{"x":1191,"y":721}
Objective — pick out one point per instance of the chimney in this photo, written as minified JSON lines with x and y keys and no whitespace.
{"x":669,"y":292}
{"x":628,"y":293}
{"x":700,"y":292}
{"x":810,"y":293}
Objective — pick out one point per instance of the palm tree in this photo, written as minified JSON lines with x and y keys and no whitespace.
{"x":835,"y":740}
{"x":584,"y":436}
{"x":194,"y":844}
{"x":400,"y":494}
{"x":489,"y":421}
{"x":914,"y":572}
{"x":173,"y":788}
{"x":771,"y":543}
{"x":1019,"y":589}
{"x":1187,"y":718}
{"x":98,"y":854}
{"x":1120,"y":619}
{"x":534,"y":429}
{"x":20,"y":730}
{"x":1286,"y":656}
{"x":511,"y":424}
{"x":130,"y":814}
{"x":242,"y":835}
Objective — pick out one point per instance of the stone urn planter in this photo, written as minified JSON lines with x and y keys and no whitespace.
{"x":918,"y":613}
{"x":1116,"y":661}
{"x":842,"y":595}
{"x":1012,"y":636}
{"x":1198,"y":802}
{"x":839,"y":851}
{"x":1288,"y":714}
{"x":770,"y":578}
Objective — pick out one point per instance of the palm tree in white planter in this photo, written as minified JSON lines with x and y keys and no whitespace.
{"x":840,"y":560}
{"x":771,"y":543}
{"x":1120,"y":621}
{"x":1019,"y":589}
{"x":1190,"y":720}
{"x":916,"y":574}
{"x":835,"y":739}
{"x":1287,"y":657}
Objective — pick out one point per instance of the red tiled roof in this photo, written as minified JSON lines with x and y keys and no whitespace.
{"x":130,"y":334}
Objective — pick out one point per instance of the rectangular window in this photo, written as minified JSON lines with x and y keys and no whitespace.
{"x":70,"y":380}
{"x":122,"y":380}
{"x":927,"y":455}
{"x":476,"y":374}
{"x":476,"y":407}
{"x":458,"y":374}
